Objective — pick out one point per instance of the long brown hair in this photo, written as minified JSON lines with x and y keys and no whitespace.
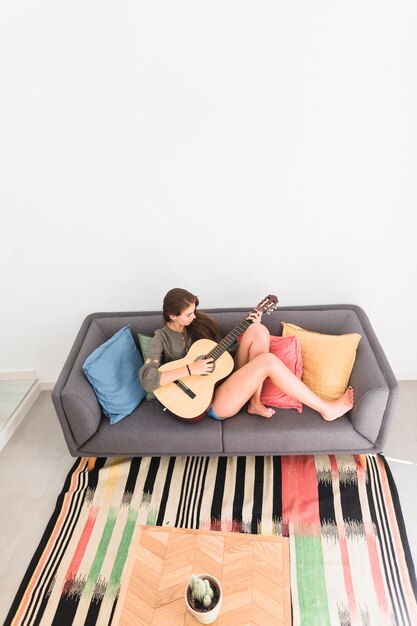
{"x":203,"y":327}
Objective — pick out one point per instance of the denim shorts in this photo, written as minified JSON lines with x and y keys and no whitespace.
{"x":211,"y":413}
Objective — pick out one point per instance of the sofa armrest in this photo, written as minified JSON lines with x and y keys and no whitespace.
{"x":75,"y":402}
{"x":81,"y":408}
{"x":370,"y":406}
{"x":376,"y":388}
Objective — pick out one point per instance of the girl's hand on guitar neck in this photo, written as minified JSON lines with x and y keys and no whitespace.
{"x":255,"y":316}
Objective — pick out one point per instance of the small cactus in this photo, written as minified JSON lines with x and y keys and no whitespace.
{"x":201,"y":590}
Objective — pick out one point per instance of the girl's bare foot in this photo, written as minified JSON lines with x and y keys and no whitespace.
{"x":340,"y":406}
{"x":257,"y":408}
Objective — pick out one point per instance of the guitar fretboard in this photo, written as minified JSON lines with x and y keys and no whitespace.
{"x":228,"y":341}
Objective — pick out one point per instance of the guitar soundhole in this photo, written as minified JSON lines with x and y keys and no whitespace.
{"x":206,"y":356}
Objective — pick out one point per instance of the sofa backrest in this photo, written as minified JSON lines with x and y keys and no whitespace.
{"x":320,"y":320}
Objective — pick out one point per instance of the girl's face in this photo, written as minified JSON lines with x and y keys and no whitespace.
{"x":186,"y":317}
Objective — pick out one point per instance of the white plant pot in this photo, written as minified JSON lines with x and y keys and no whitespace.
{"x":205,"y":617}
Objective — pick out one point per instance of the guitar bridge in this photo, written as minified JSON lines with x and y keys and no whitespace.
{"x":185,"y":389}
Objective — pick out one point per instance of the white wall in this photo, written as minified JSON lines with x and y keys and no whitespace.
{"x":286,"y":129}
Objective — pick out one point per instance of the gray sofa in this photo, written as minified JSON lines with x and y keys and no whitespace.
{"x":149,"y":431}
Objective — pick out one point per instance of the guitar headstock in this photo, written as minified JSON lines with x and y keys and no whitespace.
{"x":268,"y":304}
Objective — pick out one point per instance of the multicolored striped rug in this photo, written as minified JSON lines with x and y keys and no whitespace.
{"x":350,"y":559}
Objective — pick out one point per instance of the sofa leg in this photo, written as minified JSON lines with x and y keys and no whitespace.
{"x":362,"y":460}
{"x":91,"y":463}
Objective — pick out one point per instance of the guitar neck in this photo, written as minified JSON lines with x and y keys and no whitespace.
{"x":228,"y":341}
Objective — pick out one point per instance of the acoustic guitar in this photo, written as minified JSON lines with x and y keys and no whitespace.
{"x":189,"y":397}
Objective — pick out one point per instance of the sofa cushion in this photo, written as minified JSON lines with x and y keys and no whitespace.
{"x":112,"y":370}
{"x":288,"y":350}
{"x":151,"y":431}
{"x":288,"y":432}
{"x":327,"y":359}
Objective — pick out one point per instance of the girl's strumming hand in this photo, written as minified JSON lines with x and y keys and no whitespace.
{"x":201,"y":367}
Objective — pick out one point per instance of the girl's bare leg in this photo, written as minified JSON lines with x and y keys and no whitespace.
{"x":238,"y":388}
{"x":255,"y":341}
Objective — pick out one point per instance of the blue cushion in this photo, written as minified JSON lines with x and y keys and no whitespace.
{"x":112,"y":369}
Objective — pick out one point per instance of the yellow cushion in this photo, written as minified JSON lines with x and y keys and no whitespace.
{"x":327,"y":359}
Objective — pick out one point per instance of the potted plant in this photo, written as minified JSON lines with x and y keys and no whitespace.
{"x":203,"y":598}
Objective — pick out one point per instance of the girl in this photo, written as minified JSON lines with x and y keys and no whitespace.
{"x":184,"y":324}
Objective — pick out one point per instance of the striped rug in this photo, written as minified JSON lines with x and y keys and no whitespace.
{"x":350,"y":559}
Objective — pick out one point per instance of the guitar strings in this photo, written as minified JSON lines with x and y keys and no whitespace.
{"x":228,"y":341}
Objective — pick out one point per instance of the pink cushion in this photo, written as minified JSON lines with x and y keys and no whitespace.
{"x":288,"y":349}
{"x":290,"y":353}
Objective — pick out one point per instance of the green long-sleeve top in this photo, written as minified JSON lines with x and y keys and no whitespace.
{"x":166,"y":345}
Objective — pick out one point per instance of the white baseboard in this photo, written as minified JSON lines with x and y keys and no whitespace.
{"x":407,"y":376}
{"x":46,"y":385}
{"x":18,"y":375}
{"x":19,"y":414}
